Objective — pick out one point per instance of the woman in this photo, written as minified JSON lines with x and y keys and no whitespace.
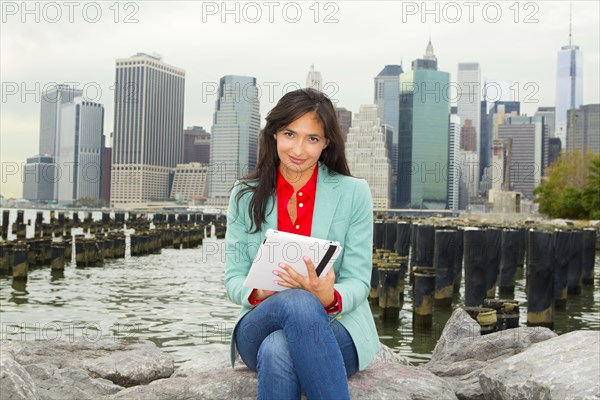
{"x":315,"y":335}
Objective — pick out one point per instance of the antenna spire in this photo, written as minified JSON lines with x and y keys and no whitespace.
{"x":570,"y":21}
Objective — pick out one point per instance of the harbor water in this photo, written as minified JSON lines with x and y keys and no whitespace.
{"x":177,"y":300}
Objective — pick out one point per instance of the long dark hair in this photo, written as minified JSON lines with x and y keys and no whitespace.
{"x":262,"y":182}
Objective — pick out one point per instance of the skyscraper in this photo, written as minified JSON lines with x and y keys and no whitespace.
{"x":387,"y":100}
{"x":314,"y":79}
{"x":148,"y":129}
{"x":367,"y":154}
{"x":527,"y":161}
{"x":423,"y":150}
{"x":453,"y":163}
{"x":583,"y":128}
{"x":469,"y":100}
{"x":51,"y":103}
{"x":344,"y":118}
{"x":569,"y":84}
{"x":196,"y":145}
{"x":40,"y":178}
{"x":234,"y":137}
{"x":80,"y":152}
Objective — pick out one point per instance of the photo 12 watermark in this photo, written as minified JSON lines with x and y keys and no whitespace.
{"x":253,"y":12}
{"x":54,"y":92}
{"x":54,"y":12}
{"x":470,"y":11}
{"x":57,"y":330}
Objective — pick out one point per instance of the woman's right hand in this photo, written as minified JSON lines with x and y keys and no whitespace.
{"x":261,"y":294}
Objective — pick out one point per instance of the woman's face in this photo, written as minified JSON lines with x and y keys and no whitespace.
{"x":299,"y":146}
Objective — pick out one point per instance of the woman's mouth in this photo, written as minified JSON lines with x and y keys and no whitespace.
{"x":296,"y":160}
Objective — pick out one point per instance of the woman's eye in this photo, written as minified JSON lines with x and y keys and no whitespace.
{"x":313,"y":139}
{"x":288,"y":134}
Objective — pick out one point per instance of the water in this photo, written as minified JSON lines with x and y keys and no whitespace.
{"x":177,"y":300}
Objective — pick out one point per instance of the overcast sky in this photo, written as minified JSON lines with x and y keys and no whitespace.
{"x":349,"y":42}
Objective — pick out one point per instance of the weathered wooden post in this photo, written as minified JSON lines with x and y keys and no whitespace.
{"x":390,"y":235}
{"x":475,"y":276}
{"x":20,"y":266}
{"x":540,"y":279}
{"x":458,"y":258}
{"x":507,"y":312}
{"x":560,"y":260}
{"x":391,"y":290}
{"x":423,"y":293}
{"x":443,"y":263}
{"x":574,"y":273}
{"x":493,"y":237}
{"x":485,"y":317}
{"x":589,"y":251}
{"x":508,"y":261}
{"x":5,"y":223}
{"x":58,"y":256}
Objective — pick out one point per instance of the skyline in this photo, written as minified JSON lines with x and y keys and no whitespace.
{"x":37,"y":54}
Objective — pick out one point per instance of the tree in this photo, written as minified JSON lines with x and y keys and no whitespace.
{"x":560,"y":195}
{"x":591,"y":192}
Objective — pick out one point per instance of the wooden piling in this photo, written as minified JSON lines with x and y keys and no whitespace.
{"x":423,"y":293}
{"x":474,"y":259}
{"x":493,"y":239}
{"x":540,"y":278}
{"x":58,"y":256}
{"x":443,"y":263}
{"x":20,"y":266}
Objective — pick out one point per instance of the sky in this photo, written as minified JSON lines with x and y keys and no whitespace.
{"x":349,"y":42}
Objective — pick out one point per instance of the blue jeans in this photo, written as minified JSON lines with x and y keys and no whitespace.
{"x":295,"y":346}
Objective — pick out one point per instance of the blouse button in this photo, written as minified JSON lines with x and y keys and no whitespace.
{"x":297,"y":226}
{"x":299,"y":193}
{"x":301,"y":205}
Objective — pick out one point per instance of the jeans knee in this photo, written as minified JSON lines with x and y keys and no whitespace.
{"x":300,"y":301}
{"x":274,"y":352}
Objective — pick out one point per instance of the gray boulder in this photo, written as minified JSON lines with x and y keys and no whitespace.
{"x":388,"y":377}
{"x":565,"y":367}
{"x":124,"y":364}
{"x":462,"y":352}
{"x":68,"y":383}
{"x":15,"y":381}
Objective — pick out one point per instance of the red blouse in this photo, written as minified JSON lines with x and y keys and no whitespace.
{"x":305,"y":205}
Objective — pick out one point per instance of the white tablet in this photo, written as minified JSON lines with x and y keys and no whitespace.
{"x":289,"y":248}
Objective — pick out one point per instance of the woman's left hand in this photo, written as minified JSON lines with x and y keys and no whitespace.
{"x":321,"y":288}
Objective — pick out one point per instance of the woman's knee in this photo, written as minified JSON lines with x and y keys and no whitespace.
{"x":274,"y":352}
{"x":299,"y":300}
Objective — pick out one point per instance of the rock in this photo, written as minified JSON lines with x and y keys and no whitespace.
{"x":15,"y":381}
{"x":388,"y":377}
{"x":459,"y":327}
{"x":68,"y":383}
{"x":462,"y":352}
{"x":125,"y":364}
{"x":565,"y":367}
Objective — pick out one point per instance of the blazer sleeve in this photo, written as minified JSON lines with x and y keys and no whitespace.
{"x":354,"y":276}
{"x":237,"y":261}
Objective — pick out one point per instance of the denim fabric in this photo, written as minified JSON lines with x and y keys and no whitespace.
{"x":296,"y":347}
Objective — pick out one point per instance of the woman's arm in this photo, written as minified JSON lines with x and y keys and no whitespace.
{"x":237,"y":260}
{"x":354,"y":277}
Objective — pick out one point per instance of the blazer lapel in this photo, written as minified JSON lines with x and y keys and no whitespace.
{"x":326,"y":203}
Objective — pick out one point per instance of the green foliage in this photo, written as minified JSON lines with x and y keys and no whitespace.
{"x":572,"y":187}
{"x":591,"y":192}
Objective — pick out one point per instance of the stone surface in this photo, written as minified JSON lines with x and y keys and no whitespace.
{"x":565,"y":367}
{"x":68,"y":383}
{"x":378,"y":382}
{"x":15,"y":381}
{"x":462,"y":352}
{"x":125,"y":364}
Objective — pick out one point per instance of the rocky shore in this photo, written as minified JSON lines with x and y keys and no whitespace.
{"x":521,"y":363}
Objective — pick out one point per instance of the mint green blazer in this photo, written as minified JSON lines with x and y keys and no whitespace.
{"x":343,"y":212}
